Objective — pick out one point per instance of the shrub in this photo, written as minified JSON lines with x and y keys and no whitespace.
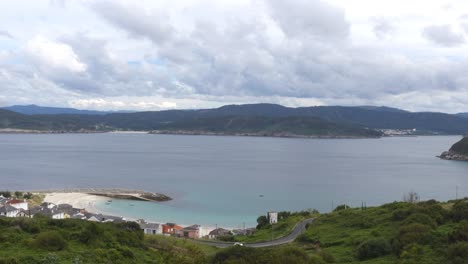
{"x":460,"y":210}
{"x":420,"y":218}
{"x":90,"y":233}
{"x":460,"y":233}
{"x":29,"y":225}
{"x":51,"y":241}
{"x":9,"y":260}
{"x":373,"y":249}
{"x":316,"y":259}
{"x":262,"y":222}
{"x":51,"y":259}
{"x":412,"y":234}
{"x":329,"y":258}
{"x":6,"y":194}
{"x":341,"y":208}
{"x":458,"y":253}
{"x":400,"y":214}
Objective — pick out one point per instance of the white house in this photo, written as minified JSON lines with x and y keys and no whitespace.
{"x":19,"y":204}
{"x":151,"y":229}
{"x":8,"y":211}
{"x":273,"y":217}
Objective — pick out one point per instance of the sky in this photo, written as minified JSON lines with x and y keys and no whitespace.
{"x":166,"y":54}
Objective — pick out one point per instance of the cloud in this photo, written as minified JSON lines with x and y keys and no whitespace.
{"x":443,"y":35}
{"x":54,"y":55}
{"x":136,"y":21}
{"x":382,"y":27}
{"x":310,"y":17}
{"x":6,"y":34}
{"x":204,"y":53}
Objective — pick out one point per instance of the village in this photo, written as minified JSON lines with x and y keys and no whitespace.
{"x":16,"y":207}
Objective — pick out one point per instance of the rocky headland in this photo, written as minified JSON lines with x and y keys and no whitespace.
{"x":459,"y":151}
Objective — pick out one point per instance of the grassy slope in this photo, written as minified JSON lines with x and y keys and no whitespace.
{"x":340,"y":233}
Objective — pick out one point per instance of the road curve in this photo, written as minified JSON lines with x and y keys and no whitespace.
{"x":298,"y":230}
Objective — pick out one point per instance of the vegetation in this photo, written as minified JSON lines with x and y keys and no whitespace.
{"x":400,"y":232}
{"x":43,"y":240}
{"x":286,"y":223}
{"x":461,"y":147}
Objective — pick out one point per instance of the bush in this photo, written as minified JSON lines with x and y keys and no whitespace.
{"x":400,"y":214}
{"x":412,"y":234}
{"x":341,"y":208}
{"x":51,"y":241}
{"x":329,"y":258}
{"x":373,"y":249}
{"x":262,"y":222}
{"x":460,"y":233}
{"x":420,"y":218}
{"x":6,"y":194}
{"x":458,"y":253}
{"x":9,"y":260}
{"x":460,"y":210}
{"x":29,"y":225}
{"x":316,"y":259}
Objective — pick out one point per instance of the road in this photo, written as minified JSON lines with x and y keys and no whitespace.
{"x":298,"y":230}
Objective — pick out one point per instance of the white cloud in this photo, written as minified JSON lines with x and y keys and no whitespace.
{"x":204,"y":53}
{"x":54,"y":54}
{"x":443,"y":35}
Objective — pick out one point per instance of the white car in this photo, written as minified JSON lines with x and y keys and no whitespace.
{"x":238,"y":244}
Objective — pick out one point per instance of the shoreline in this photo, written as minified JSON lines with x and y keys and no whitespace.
{"x":87,"y":201}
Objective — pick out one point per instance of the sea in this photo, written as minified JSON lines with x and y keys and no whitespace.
{"x":230,"y":181}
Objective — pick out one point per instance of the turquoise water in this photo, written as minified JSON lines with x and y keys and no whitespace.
{"x":220,"y":180}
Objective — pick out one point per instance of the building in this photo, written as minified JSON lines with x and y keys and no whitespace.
{"x":151,"y":228}
{"x":8,"y":211}
{"x":171,"y":229}
{"x":273,"y":217}
{"x":18,"y":204}
{"x":219,"y":232}
{"x":192,"y":231}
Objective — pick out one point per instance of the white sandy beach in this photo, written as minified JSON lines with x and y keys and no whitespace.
{"x":77,"y":200}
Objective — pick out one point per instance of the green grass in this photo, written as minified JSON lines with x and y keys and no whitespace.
{"x":341,"y":233}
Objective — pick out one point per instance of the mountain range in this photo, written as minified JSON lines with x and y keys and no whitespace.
{"x":248,"y":118}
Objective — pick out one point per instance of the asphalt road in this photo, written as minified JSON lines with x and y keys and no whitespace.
{"x":298,"y":230}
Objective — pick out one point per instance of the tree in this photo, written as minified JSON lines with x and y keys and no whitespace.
{"x":6,"y":194}
{"x":411,"y":197}
{"x":18,"y":194}
{"x":28,"y":195}
{"x":262,"y":222}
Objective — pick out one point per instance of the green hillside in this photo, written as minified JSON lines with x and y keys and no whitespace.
{"x":461,"y":147}
{"x":421,"y":233}
{"x":270,"y":126}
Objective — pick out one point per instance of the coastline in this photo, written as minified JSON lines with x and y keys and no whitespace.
{"x":75,"y":199}
{"x":83,"y":200}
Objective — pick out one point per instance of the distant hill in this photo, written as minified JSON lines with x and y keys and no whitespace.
{"x":465,"y":115}
{"x":43,"y":110}
{"x":364,"y":117}
{"x":67,"y":123}
{"x":269,"y":126}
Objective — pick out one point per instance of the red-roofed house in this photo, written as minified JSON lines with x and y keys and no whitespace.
{"x":19,"y":204}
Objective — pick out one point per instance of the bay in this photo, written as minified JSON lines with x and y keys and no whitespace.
{"x":229,"y":181}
